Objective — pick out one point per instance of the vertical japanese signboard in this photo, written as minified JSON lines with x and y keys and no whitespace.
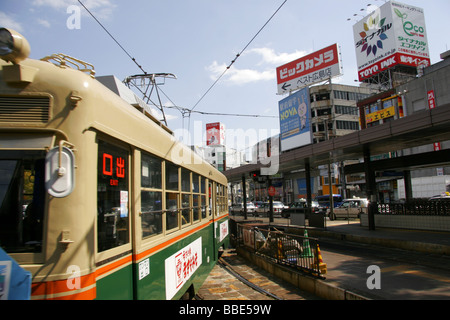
{"x":394,"y":34}
{"x":295,"y":120}
{"x":181,"y":266}
{"x":215,"y":134}
{"x":316,"y":67}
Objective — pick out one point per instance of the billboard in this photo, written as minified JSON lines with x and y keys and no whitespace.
{"x":395,"y":34}
{"x":215,"y":134}
{"x":295,"y":120}
{"x":316,"y":67}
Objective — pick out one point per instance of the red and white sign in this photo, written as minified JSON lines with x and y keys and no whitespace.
{"x":215,"y":134}
{"x":389,"y":62}
{"x":432,"y":105}
{"x":316,"y":67}
{"x":181,"y":266}
{"x":431,"y":99}
{"x":272,"y":191}
{"x":223,"y":230}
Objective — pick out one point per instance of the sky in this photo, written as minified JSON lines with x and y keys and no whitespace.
{"x":197,"y":39}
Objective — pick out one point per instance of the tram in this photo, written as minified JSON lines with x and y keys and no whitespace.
{"x":98,"y":199}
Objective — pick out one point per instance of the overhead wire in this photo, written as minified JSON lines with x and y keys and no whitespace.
{"x":238,"y":55}
{"x":106,"y":30}
{"x":186,"y":111}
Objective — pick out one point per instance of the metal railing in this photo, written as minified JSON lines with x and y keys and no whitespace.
{"x":416,"y":207}
{"x":295,"y":251}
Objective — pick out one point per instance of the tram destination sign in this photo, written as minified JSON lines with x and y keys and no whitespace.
{"x":308,"y":70}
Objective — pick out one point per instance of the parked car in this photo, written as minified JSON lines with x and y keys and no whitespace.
{"x":350,"y":208}
{"x":258,"y":203}
{"x":300,"y":206}
{"x":441,"y":197}
{"x":239,"y":208}
{"x":324,"y":202}
{"x":263,"y":210}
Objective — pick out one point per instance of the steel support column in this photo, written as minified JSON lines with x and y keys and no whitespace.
{"x":371,"y":188}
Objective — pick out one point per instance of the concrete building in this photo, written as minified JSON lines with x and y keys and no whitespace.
{"x":334,"y":107}
{"x":221,"y":157}
{"x":425,"y":91}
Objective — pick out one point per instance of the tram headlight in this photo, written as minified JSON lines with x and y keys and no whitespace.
{"x":13,"y":46}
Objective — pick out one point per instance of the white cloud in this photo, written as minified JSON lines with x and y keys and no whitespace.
{"x":102,"y":8}
{"x":265,"y":70}
{"x":239,"y":76}
{"x":8,"y":21}
{"x":271,"y":57}
{"x":44,"y":23}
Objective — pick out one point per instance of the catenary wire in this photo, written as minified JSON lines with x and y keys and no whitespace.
{"x":185,"y":111}
{"x":238,"y":55}
{"x":132,"y":58}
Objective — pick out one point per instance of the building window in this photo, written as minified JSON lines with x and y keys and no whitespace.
{"x":347,"y":110}
{"x":347,"y":125}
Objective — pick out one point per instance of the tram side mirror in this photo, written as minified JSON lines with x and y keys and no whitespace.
{"x":60,"y":172}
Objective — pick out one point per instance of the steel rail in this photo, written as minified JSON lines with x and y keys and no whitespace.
{"x":234,"y":273}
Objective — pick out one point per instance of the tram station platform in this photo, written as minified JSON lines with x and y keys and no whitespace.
{"x":431,"y":242}
{"x":413,"y":263}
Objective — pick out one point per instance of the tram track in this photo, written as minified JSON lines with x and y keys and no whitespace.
{"x":234,"y":278}
{"x":229,"y":268}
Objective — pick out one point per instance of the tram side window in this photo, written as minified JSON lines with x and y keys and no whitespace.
{"x":112,"y":197}
{"x":196,"y":204}
{"x":22,"y":199}
{"x":171,"y":210}
{"x":151,"y":196}
{"x":171,"y":176}
{"x":204,"y":204}
{"x":186,"y":208}
{"x":221,"y":199}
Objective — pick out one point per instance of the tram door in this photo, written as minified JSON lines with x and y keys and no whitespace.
{"x":114,"y":252}
{"x":212,"y":208}
{"x":215,"y":209}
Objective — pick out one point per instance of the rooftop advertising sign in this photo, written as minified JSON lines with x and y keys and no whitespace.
{"x":316,"y":67}
{"x":215,"y":134}
{"x":295,"y":124}
{"x":394,"y":34}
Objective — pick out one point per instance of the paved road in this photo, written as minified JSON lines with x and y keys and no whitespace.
{"x":402,"y":274}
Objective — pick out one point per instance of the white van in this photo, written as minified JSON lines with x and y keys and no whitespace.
{"x":350,"y":208}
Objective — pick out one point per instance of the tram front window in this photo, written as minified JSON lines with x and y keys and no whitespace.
{"x":22,"y":198}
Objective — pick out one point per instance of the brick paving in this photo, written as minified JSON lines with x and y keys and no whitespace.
{"x":221,"y":285}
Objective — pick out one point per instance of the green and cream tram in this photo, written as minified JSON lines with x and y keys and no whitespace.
{"x":99,"y":200}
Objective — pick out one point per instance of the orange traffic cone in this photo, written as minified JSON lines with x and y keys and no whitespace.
{"x":319,"y":262}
